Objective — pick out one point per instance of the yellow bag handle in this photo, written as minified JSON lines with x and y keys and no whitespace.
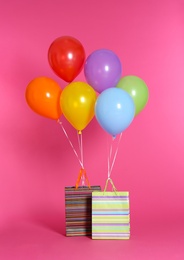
{"x":113,"y":186}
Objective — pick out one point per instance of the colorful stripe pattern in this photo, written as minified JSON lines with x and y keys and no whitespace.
{"x":78,"y":210}
{"x":110,"y":215}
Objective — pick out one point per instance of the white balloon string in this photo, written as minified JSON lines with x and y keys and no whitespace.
{"x":80,"y":146}
{"x":64,"y":131}
{"x":115,"y":155}
{"x":79,"y":135}
{"x":110,"y":148}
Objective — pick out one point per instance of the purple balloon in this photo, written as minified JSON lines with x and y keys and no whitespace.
{"x":102,"y":69}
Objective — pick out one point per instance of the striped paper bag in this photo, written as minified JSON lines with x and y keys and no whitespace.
{"x":78,"y":210}
{"x":110,"y":215}
{"x":78,"y":206}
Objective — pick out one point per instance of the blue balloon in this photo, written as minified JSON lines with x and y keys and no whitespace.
{"x":114,"y":110}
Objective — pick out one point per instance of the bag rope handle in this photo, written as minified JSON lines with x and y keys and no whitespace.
{"x":82,"y":174}
{"x":113,"y":186}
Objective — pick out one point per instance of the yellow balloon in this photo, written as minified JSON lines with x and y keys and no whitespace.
{"x":77,"y":103}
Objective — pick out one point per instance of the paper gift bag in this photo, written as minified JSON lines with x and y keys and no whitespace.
{"x":78,"y":210}
{"x":110,"y":215}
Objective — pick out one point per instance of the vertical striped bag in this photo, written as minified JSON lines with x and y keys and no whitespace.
{"x":78,"y":208}
{"x":110,"y":214}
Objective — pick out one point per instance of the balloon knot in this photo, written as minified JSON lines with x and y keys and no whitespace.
{"x":59,"y":122}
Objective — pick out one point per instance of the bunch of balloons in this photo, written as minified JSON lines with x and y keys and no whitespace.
{"x":114,"y":100}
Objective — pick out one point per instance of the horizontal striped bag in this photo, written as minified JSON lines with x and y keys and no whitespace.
{"x":78,"y":208}
{"x":110,"y":214}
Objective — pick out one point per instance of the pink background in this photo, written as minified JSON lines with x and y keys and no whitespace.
{"x":36,"y":159}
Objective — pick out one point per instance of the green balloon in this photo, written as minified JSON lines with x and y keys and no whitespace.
{"x":137,"y":89}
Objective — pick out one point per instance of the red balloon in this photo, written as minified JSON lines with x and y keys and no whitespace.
{"x":66,"y":57}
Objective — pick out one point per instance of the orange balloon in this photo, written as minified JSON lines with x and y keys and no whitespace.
{"x":43,"y":97}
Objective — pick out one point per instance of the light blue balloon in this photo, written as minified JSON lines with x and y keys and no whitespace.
{"x":114,"y":110}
